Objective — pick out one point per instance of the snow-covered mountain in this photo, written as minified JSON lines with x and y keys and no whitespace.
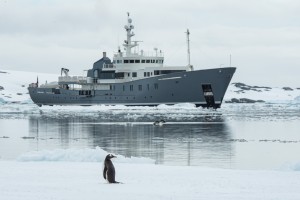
{"x":13,"y":89}
{"x":13,"y":84}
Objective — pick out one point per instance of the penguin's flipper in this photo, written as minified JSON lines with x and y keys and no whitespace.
{"x":104,"y":172}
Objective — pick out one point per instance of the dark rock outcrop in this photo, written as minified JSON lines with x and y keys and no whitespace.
{"x":244,"y":100}
{"x":243,"y":87}
{"x":287,"y":89}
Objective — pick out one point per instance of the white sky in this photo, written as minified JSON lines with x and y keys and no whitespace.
{"x":263,"y":36}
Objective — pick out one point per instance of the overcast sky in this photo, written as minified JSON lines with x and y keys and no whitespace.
{"x":263,"y":36}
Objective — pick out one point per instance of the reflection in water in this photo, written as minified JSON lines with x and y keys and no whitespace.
{"x":206,"y":144}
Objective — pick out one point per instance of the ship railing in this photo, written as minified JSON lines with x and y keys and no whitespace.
{"x":76,"y":79}
{"x":142,"y":54}
{"x":152,"y":54}
{"x":109,"y":66}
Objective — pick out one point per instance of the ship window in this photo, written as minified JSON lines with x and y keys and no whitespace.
{"x":120,"y":61}
{"x":162,"y":61}
{"x":156,"y":72}
{"x":140,"y":87}
{"x":156,"y":61}
{"x":119,"y":75}
{"x":134,"y":74}
{"x":131,"y":61}
{"x":96,"y":73}
{"x":143,"y":61}
{"x":131,"y":87}
{"x":156,"y":86}
{"x":128,"y":74}
{"x":107,"y":75}
{"x":145,"y":73}
{"x":148,"y":73}
{"x":137,"y":61}
{"x":126,"y":61}
{"x":151,"y":73}
{"x":147,"y":61}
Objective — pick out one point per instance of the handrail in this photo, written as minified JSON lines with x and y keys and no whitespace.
{"x":71,"y":79}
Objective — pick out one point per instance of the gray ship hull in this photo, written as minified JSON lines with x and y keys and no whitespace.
{"x":204,"y":88}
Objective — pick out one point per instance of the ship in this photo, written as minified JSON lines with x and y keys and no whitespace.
{"x":136,"y":78}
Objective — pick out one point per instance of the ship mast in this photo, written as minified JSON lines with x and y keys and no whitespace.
{"x":128,"y":43}
{"x":188,"y":46}
{"x":188,"y":49}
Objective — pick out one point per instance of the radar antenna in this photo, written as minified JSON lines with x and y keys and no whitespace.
{"x":128,"y":43}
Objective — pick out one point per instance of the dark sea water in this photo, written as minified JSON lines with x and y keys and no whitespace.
{"x":257,"y":136}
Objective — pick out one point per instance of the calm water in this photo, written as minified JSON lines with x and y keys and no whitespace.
{"x":239,"y":137}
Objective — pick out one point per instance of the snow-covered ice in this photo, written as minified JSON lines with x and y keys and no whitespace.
{"x":82,"y":179}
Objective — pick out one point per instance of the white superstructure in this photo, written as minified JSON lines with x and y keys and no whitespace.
{"x":132,"y":64}
{"x":137,"y":64}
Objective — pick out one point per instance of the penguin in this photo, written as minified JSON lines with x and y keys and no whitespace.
{"x":109,"y":172}
{"x":159,"y":123}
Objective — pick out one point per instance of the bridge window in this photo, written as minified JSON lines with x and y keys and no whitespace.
{"x":134,"y":74}
{"x":137,"y":61}
{"x":96,"y":73}
{"x":126,"y":61}
{"x":156,"y":86}
{"x":107,"y":75}
{"x":147,"y":61}
{"x":131,"y":61}
{"x":143,"y":61}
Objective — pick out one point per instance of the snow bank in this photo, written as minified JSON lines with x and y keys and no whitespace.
{"x":78,"y":155}
{"x":272,"y":95}
{"x":290,"y":166}
{"x":15,"y":84}
{"x":78,"y":180}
